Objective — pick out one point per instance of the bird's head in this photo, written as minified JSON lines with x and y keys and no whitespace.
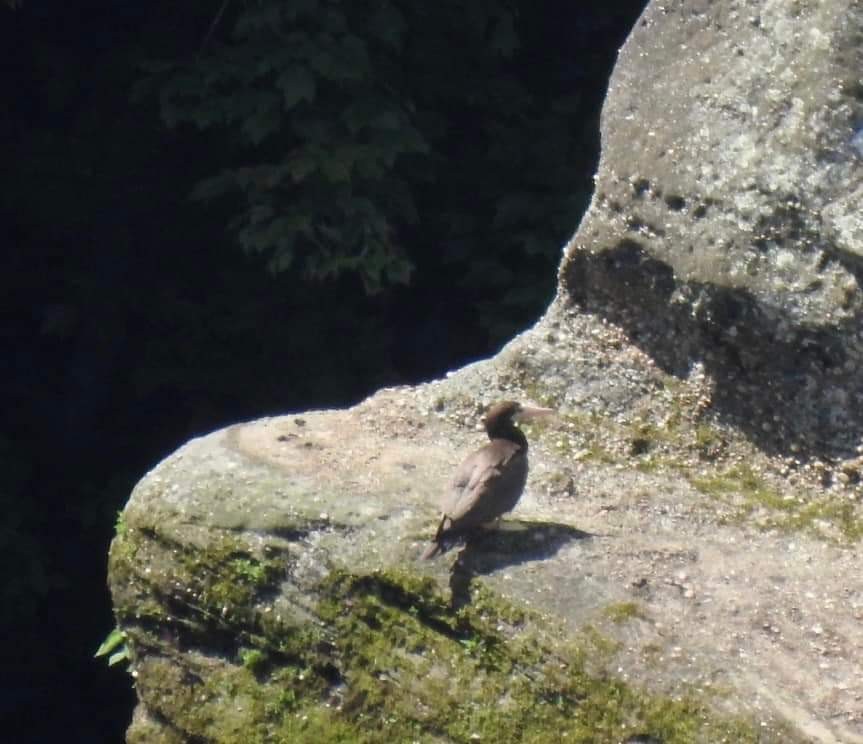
{"x":501,"y":416}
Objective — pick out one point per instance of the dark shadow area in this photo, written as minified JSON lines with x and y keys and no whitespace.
{"x":514,"y":543}
{"x":783,"y":385}
{"x":132,"y":320}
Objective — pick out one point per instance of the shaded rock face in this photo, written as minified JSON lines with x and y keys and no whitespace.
{"x":727,"y":222}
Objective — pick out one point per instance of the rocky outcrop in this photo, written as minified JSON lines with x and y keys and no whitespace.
{"x":660,"y":576}
{"x":726,"y":225}
{"x":682,"y":567}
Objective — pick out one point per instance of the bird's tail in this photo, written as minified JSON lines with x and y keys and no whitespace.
{"x":436,"y":547}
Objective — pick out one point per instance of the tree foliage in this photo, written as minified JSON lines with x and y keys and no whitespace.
{"x":374,"y":136}
{"x":306,"y":90}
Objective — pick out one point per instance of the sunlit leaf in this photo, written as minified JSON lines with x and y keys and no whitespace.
{"x":114,"y":639}
{"x":119,"y":656}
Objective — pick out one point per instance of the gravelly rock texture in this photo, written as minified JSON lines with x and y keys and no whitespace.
{"x":678,"y":556}
{"x":685,"y":563}
{"x":726,"y":224}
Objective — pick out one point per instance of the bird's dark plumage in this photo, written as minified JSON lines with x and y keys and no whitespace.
{"x":490,"y":481}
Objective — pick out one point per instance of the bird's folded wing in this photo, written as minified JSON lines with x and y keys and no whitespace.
{"x":475,"y":477}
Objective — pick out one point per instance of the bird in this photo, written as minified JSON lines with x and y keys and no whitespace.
{"x":490,"y":481}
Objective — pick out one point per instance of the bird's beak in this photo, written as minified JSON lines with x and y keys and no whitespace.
{"x":533,"y":412}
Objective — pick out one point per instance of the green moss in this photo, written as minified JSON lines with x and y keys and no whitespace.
{"x":650,"y":433}
{"x":748,"y":495}
{"x":598,"y":453}
{"x":383,"y":656}
{"x":708,"y":440}
{"x":225,"y":577}
{"x":752,"y":497}
{"x":598,"y":646}
{"x":120,"y":524}
{"x":622,"y":612}
{"x":842,"y":516}
{"x":650,"y":464}
{"x":253,"y":659}
{"x":638,"y":441}
{"x":536,"y":392}
{"x":121,"y":558}
{"x":414,"y":669}
{"x":187,"y":590}
{"x":739,"y":479}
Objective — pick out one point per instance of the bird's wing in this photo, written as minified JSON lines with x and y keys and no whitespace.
{"x":486,"y":469}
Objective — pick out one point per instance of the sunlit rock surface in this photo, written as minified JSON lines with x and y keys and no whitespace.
{"x":727,"y":226}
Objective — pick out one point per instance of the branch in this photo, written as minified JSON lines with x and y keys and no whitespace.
{"x":210,"y":30}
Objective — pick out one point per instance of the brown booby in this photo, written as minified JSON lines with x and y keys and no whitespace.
{"x":490,"y":481}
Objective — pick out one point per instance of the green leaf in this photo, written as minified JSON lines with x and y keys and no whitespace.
{"x":337,"y":167}
{"x":399,"y":270}
{"x":258,"y":18}
{"x":301,"y":166}
{"x":322,"y":62}
{"x":115,"y":638}
{"x":260,"y":213}
{"x":121,"y":655}
{"x":210,"y":188}
{"x":280,"y":262}
{"x":313,"y":129}
{"x":504,"y":38}
{"x":299,"y":7}
{"x":388,"y":24}
{"x":296,"y":84}
{"x":392,"y":120}
{"x":260,"y":126}
{"x":355,"y":57}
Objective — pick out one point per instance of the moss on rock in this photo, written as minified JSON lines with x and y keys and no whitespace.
{"x":383,"y":655}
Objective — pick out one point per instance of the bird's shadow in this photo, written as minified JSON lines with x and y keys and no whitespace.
{"x":513,"y":543}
